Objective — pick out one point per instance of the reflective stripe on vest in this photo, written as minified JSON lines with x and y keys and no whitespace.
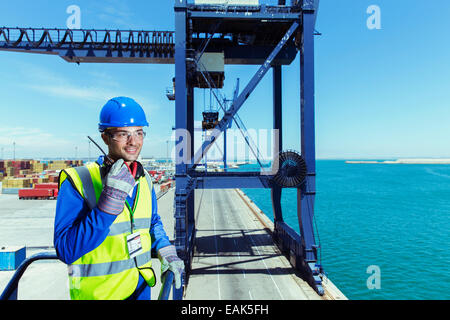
{"x":106,"y":268}
{"x":122,"y":227}
{"x":108,"y":272}
{"x":88,"y":186}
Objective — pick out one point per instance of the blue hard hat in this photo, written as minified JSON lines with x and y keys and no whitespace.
{"x":121,"y":112}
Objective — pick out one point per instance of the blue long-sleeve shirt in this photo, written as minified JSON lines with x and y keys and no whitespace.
{"x":79,"y":230}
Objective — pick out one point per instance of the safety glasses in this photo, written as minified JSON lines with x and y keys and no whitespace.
{"x":123,"y":136}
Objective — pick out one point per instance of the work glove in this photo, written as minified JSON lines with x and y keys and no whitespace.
{"x":118,"y":184}
{"x":170,"y":261}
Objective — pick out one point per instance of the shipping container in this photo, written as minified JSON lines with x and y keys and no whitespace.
{"x":165,"y":186}
{"x":10,"y":190}
{"x":48,"y":185}
{"x":35,"y":193}
{"x":16,"y":183}
{"x":53,"y":179}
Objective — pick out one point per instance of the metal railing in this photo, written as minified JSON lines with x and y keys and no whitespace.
{"x":10,"y":291}
{"x":159,"y":41}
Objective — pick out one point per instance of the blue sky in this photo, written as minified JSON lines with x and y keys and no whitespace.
{"x":379,"y":93}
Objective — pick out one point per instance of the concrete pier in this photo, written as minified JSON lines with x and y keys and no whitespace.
{"x":234,"y":258}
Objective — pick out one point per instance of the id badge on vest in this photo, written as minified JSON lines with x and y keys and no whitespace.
{"x":134,"y":244}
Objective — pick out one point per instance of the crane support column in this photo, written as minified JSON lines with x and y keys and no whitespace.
{"x":190,"y":130}
{"x":182,"y":141}
{"x":306,"y":193}
{"x":277,"y":145}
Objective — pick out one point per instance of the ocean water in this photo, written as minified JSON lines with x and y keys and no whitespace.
{"x":391,"y":217}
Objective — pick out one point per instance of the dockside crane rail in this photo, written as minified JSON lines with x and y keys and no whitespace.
{"x":244,"y":33}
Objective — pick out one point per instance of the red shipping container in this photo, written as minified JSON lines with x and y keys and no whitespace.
{"x":35,"y":193}
{"x":46,"y":186}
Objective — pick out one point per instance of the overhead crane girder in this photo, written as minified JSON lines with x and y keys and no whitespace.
{"x":123,"y":46}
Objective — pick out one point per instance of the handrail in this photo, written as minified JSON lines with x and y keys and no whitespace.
{"x":167,"y":280}
{"x":10,"y":291}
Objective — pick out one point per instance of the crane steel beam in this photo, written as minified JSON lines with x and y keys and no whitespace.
{"x":89,"y":45}
{"x":260,"y":15}
{"x":231,"y":180}
{"x":184,"y":229}
{"x":311,"y":5}
{"x":275,"y":191}
{"x":306,"y":194}
{"x":123,"y":46}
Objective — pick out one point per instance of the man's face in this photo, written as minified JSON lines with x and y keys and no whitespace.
{"x":124,"y":142}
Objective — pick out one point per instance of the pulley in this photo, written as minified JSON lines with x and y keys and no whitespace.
{"x":210,"y":119}
{"x":290,"y":168}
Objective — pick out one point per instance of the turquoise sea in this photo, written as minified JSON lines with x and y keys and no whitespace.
{"x":392,"y":216}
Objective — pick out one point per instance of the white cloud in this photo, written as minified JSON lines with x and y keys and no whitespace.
{"x":104,"y":87}
{"x":30,"y":138}
{"x":118,"y":13}
{"x":71,"y":91}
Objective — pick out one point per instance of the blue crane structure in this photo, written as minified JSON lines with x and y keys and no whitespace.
{"x":265,"y":35}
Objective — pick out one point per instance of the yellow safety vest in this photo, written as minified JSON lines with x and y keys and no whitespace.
{"x":108,"y":272}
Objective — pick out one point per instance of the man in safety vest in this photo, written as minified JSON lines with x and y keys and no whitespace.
{"x":107,"y":222}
